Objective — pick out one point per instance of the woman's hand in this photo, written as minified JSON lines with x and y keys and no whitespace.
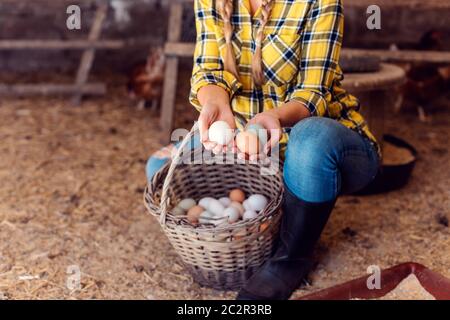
{"x":210,"y":113}
{"x":287,"y":115}
{"x":270,"y":120}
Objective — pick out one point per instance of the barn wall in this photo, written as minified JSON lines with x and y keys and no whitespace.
{"x":46,"y":19}
{"x":148,"y":18}
{"x":403,"y":26}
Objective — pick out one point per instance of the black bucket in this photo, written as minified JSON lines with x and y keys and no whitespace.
{"x":392,"y":177}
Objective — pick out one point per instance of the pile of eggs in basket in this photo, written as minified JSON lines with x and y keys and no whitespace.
{"x":224,"y":210}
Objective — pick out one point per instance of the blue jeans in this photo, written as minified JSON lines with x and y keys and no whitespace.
{"x":323,"y":160}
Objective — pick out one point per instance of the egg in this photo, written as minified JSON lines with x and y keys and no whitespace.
{"x":232,"y":214}
{"x":257,"y":202}
{"x":215,"y":207}
{"x":219,"y":221}
{"x":248,"y":143}
{"x":220,"y":132}
{"x":237,"y":195}
{"x":178,"y":211}
{"x":238,"y":206}
{"x":249,"y":214}
{"x":194,"y":214}
{"x":204,"y":202}
{"x":186,"y":204}
{"x":263,"y":227}
{"x":205,"y":217}
{"x":246,"y":205}
{"x":225,"y":201}
{"x":258,"y":130}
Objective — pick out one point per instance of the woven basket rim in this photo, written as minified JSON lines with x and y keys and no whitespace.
{"x":181,"y":222}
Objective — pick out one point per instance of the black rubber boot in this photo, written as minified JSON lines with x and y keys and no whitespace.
{"x":301,"y":226}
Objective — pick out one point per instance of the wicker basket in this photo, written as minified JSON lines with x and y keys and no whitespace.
{"x":224,"y":256}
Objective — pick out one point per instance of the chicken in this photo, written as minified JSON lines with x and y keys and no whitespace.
{"x":431,"y":40}
{"x":445,"y":73}
{"x":425,"y":81}
{"x":146,"y":79}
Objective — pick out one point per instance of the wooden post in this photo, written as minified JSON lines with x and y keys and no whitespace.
{"x":88,"y":55}
{"x":51,"y":88}
{"x":436,"y":57}
{"x":62,"y":44}
{"x":171,"y":74}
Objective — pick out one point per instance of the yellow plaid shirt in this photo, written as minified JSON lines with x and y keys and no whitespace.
{"x":300,"y":56}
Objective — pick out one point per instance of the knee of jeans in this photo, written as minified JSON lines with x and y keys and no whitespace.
{"x":313,"y":143}
{"x":307,"y":158}
{"x":313,"y":126}
{"x":312,"y":154}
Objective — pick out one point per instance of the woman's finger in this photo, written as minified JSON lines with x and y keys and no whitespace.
{"x":218,"y":148}
{"x":209,"y":145}
{"x":257,"y":157}
{"x":265,"y":161}
{"x":225,"y":148}
{"x":275,"y":136}
{"x":253,"y":158}
{"x":241,"y":156}
{"x":203,"y":128}
{"x":251,"y":121}
{"x":233,"y":147}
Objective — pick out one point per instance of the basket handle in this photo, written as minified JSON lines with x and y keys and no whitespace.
{"x":168,"y":179}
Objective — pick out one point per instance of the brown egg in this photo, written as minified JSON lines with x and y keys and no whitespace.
{"x":264,"y":226}
{"x":237,"y":195}
{"x":194,"y":213}
{"x":247,"y":142}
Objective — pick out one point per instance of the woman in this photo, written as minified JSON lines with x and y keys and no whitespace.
{"x":275,"y":63}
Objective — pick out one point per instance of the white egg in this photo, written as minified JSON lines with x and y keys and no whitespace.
{"x":217,"y":221}
{"x":205,"y":217}
{"x":249,"y":214}
{"x":232,"y":214}
{"x":225,"y":201}
{"x":220,"y":132}
{"x":178,"y":211}
{"x":246,"y":205}
{"x":238,"y":206}
{"x":216,"y":207}
{"x":186,"y":204}
{"x":204,"y":202}
{"x":257,"y":202}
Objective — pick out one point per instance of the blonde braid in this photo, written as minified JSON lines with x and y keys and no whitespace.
{"x":257,"y":62}
{"x":226,"y":11}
